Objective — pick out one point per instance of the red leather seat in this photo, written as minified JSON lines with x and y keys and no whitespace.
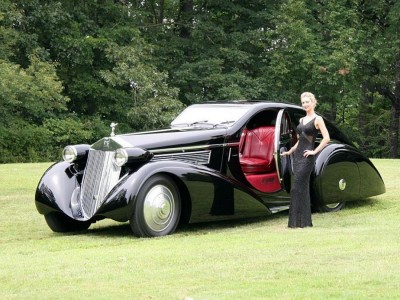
{"x":257,"y":150}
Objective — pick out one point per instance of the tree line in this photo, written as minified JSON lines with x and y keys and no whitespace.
{"x":69,"y":68}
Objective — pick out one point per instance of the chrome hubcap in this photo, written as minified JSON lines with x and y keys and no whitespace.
{"x":342,"y":184}
{"x":333,"y":205}
{"x":159,"y":207}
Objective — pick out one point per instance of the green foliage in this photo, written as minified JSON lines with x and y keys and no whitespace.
{"x":32,"y":93}
{"x":21,"y":141}
{"x":71,"y":130}
{"x":27,"y":98}
{"x":8,"y":35}
{"x":378,"y":69}
{"x":151,"y":103}
{"x":217,"y":53}
{"x":138,"y":63}
{"x":24,"y":142}
{"x":31,"y":104}
{"x":155,"y":113}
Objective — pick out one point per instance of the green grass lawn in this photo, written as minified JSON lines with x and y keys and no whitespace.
{"x":352,"y":254}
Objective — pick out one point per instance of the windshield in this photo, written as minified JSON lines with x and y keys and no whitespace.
{"x":209,"y":115}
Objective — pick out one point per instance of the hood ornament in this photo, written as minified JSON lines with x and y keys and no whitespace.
{"x":113,"y":125}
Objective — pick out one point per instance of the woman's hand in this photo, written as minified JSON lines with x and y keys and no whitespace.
{"x":307,"y":153}
{"x":285,"y":153}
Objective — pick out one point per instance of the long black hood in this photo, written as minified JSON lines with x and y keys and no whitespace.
{"x":163,"y":139}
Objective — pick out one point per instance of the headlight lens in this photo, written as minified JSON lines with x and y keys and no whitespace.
{"x":70,"y":154}
{"x":120,"y":157}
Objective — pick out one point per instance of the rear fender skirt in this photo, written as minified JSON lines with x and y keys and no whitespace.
{"x":371,"y":183}
{"x":340,"y":176}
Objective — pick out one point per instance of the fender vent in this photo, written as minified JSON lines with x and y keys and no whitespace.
{"x":197,"y":157}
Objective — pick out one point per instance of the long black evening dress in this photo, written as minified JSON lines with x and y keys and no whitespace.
{"x":300,"y":203}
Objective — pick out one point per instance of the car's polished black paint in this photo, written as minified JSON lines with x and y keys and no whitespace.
{"x":217,"y":188}
{"x":338,"y":162}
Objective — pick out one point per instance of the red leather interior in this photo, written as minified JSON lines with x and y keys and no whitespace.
{"x":257,"y":158}
{"x":267,"y":183}
{"x":257,"y":150}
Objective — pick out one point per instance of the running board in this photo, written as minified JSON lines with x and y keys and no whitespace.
{"x":277,"y":209}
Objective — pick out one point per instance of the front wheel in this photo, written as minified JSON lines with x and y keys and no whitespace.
{"x":157,"y":208}
{"x":59,"y":222}
{"x":331,"y":207}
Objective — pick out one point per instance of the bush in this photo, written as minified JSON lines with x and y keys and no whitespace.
{"x":24,"y":142}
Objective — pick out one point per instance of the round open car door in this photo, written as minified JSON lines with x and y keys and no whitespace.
{"x":284,"y":139}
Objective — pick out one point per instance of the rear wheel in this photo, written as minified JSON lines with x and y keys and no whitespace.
{"x":332,"y":207}
{"x":59,"y":222}
{"x":157,"y":209}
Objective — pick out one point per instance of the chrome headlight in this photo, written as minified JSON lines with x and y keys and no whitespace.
{"x":120,"y":157}
{"x":70,"y":154}
{"x":131,"y":155}
{"x":77,"y":152}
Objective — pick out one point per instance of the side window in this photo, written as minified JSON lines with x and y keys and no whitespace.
{"x":289,"y":127}
{"x":286,"y":126}
{"x":264,"y":118}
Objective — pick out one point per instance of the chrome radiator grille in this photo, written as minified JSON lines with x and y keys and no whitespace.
{"x":195,"y":157}
{"x":100,"y":176}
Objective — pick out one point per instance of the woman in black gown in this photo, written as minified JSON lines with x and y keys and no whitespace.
{"x":303,"y":161}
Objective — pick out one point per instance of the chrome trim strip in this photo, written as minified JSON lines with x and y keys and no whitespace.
{"x":236,"y":144}
{"x":182,"y":149}
{"x":193,"y":148}
{"x":276,"y":143}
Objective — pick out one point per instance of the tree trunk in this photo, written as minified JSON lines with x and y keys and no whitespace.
{"x":364,"y":103}
{"x":394,"y":122}
{"x":161,"y":13}
{"x":395,"y":110}
{"x":394,"y":131}
{"x":186,"y":12}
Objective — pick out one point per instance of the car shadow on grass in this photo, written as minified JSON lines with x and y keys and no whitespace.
{"x":124,"y":230}
{"x":206,"y":227}
{"x":118,"y":230}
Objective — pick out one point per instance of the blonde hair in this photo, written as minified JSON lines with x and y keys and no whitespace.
{"x":309,"y":95}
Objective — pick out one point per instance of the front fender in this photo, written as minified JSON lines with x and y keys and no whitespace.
{"x":56,"y":187}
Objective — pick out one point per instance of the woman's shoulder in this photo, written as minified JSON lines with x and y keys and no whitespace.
{"x":318,"y":122}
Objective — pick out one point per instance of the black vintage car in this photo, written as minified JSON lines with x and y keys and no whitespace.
{"x":216,"y":161}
